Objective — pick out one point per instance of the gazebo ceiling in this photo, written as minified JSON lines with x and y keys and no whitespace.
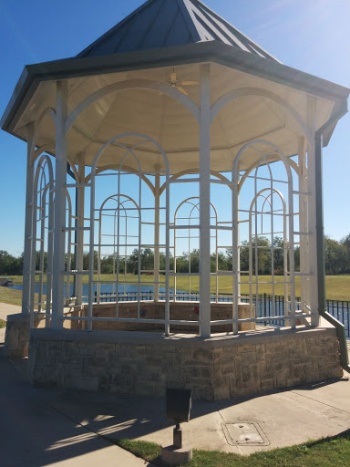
{"x":143,"y":90}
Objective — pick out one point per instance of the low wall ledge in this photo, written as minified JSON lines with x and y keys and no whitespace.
{"x":133,"y":337}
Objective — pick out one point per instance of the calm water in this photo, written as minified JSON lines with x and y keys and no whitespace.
{"x":104,"y":289}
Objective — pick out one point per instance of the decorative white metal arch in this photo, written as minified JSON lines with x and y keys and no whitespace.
{"x":79,"y":229}
{"x":288,"y":193}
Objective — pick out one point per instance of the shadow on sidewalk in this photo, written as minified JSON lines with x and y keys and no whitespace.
{"x":33,"y":433}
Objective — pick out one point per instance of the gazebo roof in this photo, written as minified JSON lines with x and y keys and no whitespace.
{"x":170,"y":23}
{"x":136,"y":61}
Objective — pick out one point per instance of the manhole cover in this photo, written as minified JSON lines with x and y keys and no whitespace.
{"x":244,"y":433}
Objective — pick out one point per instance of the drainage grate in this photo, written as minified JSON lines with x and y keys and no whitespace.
{"x":244,"y":433}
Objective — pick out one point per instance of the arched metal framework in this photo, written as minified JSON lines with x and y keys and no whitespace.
{"x":264,"y":208}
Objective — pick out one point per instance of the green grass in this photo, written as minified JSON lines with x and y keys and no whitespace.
{"x":337,"y":287}
{"x":11,"y":296}
{"x":2,"y":323}
{"x":326,"y":452}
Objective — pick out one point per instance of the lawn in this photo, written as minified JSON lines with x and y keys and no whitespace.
{"x":327,"y":452}
{"x":9,"y":295}
{"x":337,"y":287}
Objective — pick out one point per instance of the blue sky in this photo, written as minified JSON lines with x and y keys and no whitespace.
{"x":311,"y":35}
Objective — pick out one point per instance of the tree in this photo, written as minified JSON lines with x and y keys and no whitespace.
{"x":346,"y":243}
{"x":336,"y":256}
{"x":108,"y":264}
{"x":146,"y":258}
{"x":162,"y":261}
{"x":278,"y":255}
{"x":222,"y":262}
{"x":10,"y":265}
{"x":86,"y":261}
{"x":258,"y":251}
{"x":182,"y":264}
{"x":188,"y":262}
{"x":194,"y":261}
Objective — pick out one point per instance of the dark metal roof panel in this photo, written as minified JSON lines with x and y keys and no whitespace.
{"x":155,"y":24}
{"x":141,"y":28}
{"x":168,"y":28}
{"x":218,"y":28}
{"x":169,"y":23}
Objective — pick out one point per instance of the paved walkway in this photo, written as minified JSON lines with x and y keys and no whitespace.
{"x":69,"y":428}
{"x":6,"y":309}
{"x":35,"y":432}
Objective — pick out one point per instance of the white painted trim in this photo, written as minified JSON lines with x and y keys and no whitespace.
{"x":60,"y":205}
{"x":204,"y":194}
{"x":133,"y":84}
{"x":28,"y":230}
{"x":245,"y":92}
{"x":303,"y":226}
{"x":156,"y":233}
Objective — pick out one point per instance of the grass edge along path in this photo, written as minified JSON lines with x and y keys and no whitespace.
{"x":325,"y":452}
{"x":10,"y":296}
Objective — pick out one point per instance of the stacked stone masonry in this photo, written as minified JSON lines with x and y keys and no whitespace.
{"x":218,"y":368}
{"x":186,"y":311}
{"x":17,"y":333}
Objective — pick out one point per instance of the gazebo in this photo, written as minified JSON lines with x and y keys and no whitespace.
{"x":185,"y":157}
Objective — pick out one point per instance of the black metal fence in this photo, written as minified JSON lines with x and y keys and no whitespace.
{"x":340,"y":309}
{"x":267,"y":305}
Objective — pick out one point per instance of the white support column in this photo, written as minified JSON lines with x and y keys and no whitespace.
{"x":312,"y":216}
{"x":303,"y":226}
{"x":321,"y":279}
{"x":79,"y":235}
{"x":50,"y":253}
{"x":28,"y":231}
{"x":236,"y":253}
{"x":204,"y":194}
{"x":60,"y":207}
{"x":156,"y":233}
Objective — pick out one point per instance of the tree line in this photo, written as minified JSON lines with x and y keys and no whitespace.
{"x":262,"y":257}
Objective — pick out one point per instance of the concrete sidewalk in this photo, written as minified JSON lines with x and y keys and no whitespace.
{"x":35,"y":433}
{"x":6,"y":309}
{"x":239,"y":426}
{"x":42,"y":427}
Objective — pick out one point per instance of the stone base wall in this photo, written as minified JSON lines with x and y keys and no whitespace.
{"x":18,"y":326}
{"x":187,"y":311}
{"x":218,"y":368}
{"x":17,"y":334}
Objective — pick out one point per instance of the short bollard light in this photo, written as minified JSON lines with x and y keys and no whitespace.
{"x":178,"y":409}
